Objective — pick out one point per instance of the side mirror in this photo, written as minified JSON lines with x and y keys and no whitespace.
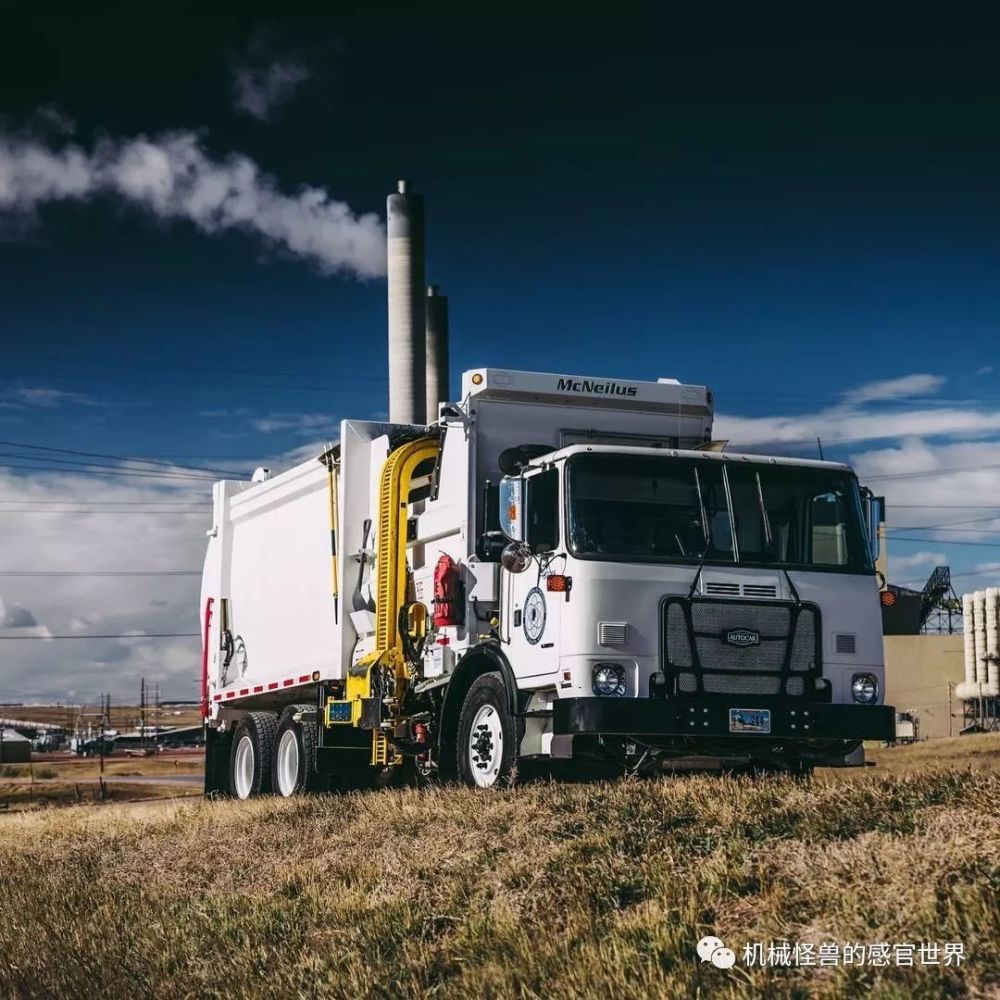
{"x":874,"y":516}
{"x":516,"y":558}
{"x":512,"y":508}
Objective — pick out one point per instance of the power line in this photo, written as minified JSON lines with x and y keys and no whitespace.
{"x":121,"y":635}
{"x":214,"y":371}
{"x":108,"y":471}
{"x":935,"y":472}
{"x":104,"y":572}
{"x":946,"y":506}
{"x":116,"y":513}
{"x":77,"y":501}
{"x":114,"y":458}
{"x":950,"y":541}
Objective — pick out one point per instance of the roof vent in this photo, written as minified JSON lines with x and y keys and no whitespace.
{"x":612,"y":633}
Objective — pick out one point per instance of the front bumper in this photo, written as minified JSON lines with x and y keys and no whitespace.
{"x":691,"y":717}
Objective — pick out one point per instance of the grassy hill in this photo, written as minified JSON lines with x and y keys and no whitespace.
{"x":542,"y":890}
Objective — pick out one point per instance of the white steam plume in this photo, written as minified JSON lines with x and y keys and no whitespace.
{"x":172,"y":177}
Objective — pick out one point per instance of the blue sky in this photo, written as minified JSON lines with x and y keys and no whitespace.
{"x":783,"y":216}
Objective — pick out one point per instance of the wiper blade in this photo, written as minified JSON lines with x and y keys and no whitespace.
{"x":770,"y":542}
{"x":706,"y":534}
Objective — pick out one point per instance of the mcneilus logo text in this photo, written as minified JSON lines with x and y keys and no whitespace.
{"x":600,"y":388}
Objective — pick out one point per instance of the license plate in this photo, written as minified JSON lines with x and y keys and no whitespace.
{"x":749,"y":720}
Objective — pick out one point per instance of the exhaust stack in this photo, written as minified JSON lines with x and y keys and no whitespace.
{"x":407,"y":336}
{"x":437,"y":380}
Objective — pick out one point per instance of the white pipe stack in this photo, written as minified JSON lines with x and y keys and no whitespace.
{"x":967,"y":689}
{"x":992,"y":595}
{"x":979,"y":618}
{"x":407,"y":344}
{"x":438,"y":374}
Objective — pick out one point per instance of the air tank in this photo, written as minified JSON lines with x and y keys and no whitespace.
{"x":438,"y":374}
{"x":407,"y":338}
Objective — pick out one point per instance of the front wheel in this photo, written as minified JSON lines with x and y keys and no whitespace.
{"x":487,"y":743}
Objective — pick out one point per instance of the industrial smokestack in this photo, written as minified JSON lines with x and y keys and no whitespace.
{"x":407,"y":338}
{"x":437,"y":351}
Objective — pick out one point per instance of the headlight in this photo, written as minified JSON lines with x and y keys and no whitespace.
{"x":609,"y":680}
{"x":864,"y":688}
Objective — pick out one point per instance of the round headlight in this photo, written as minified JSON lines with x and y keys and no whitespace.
{"x":864,"y":688}
{"x":609,"y":680}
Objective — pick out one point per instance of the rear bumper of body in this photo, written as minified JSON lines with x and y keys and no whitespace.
{"x":692,"y":717}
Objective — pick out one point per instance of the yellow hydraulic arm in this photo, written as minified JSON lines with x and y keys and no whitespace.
{"x":394,"y":495}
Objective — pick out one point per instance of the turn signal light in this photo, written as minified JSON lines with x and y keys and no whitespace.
{"x":888,"y":598}
{"x":477,"y":379}
{"x":556,"y":583}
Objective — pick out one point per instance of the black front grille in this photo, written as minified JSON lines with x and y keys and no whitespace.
{"x":725,"y":648}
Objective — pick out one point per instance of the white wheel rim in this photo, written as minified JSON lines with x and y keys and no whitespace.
{"x":243,"y":770}
{"x":486,"y":746}
{"x":288,"y":763}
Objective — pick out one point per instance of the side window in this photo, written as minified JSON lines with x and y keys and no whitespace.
{"x":543,"y":511}
{"x":829,"y":530}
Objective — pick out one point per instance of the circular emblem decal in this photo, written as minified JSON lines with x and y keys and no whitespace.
{"x":534,"y":615}
{"x":240,"y":656}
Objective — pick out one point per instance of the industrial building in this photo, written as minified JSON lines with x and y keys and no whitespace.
{"x":14,"y":748}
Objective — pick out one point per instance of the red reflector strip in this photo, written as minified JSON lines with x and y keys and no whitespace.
{"x":304,"y":679}
{"x":258,"y":689}
{"x":230,"y":694}
{"x":218,"y":697}
{"x":272,"y":685}
{"x":245,"y":691}
{"x":289,"y":682}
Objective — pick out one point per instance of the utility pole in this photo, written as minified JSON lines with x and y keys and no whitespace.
{"x":142,"y":711}
{"x":950,"y":717}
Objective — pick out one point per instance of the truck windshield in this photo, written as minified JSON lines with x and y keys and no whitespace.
{"x":636,"y":508}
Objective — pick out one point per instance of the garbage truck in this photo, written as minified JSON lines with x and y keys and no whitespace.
{"x":558,"y":571}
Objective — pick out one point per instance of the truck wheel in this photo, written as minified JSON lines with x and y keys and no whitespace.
{"x":487,"y":742}
{"x":294,"y":767}
{"x":250,"y":761}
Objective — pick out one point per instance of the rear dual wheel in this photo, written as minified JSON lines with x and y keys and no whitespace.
{"x":294,"y":768}
{"x":273,"y":754}
{"x":251,"y":755}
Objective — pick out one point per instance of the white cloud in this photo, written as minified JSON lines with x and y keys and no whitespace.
{"x":23,"y":397}
{"x":859,"y":418}
{"x":984,"y":370}
{"x":894,"y":388}
{"x":297,"y":423}
{"x":259,"y":91}
{"x":900,"y":564}
{"x":173,"y":177}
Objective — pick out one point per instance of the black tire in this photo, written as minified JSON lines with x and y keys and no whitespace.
{"x":487,"y":759}
{"x":305,"y":779}
{"x":258,"y":730}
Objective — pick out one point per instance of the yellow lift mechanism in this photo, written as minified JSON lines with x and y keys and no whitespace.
{"x":394,"y":497}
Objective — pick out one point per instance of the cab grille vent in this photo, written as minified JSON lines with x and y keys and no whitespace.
{"x":729,"y":589}
{"x":760,"y":590}
{"x":846,"y":643}
{"x":612,"y":633}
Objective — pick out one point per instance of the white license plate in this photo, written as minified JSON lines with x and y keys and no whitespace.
{"x":749,"y":720}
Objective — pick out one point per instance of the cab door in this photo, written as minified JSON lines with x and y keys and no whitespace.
{"x":530,"y":610}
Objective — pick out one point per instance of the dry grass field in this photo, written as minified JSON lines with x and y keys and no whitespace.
{"x":537,"y":891}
